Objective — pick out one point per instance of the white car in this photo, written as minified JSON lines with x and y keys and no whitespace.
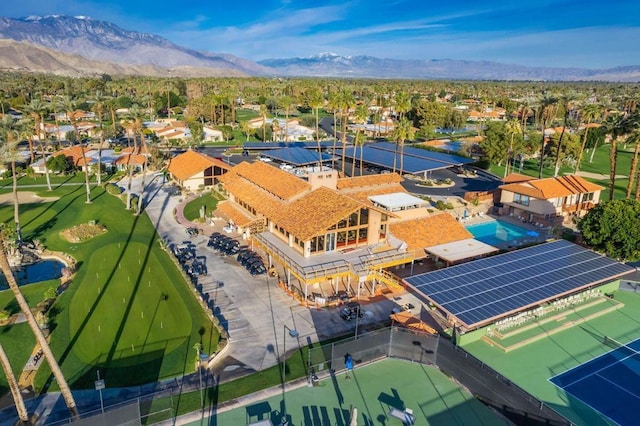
{"x":265,"y":159}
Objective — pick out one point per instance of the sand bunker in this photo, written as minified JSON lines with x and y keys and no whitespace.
{"x":25,"y":197}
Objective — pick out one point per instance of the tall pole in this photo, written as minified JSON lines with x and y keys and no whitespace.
{"x":100,"y":390}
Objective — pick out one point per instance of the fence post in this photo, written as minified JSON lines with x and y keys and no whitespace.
{"x":331,"y":360}
{"x":390,"y":340}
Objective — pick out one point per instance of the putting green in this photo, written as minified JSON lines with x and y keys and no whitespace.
{"x":121,"y":312}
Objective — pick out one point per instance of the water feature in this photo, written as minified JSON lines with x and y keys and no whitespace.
{"x":43,"y":270}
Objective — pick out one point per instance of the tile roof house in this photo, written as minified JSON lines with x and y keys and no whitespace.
{"x":548,"y":201}
{"x":193,"y":170}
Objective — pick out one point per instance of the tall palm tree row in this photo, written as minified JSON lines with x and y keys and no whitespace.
{"x":98,"y":104}
{"x":588,"y":115}
{"x":65,"y":390}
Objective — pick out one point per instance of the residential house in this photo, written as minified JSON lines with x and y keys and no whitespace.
{"x":212,"y":135}
{"x":550,"y":201}
{"x":193,"y":170}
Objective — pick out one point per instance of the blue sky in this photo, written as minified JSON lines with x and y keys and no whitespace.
{"x":563,"y":33}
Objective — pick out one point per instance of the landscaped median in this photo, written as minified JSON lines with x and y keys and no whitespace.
{"x":128,"y":311}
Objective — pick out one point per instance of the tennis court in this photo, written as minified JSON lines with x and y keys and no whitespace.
{"x":375,"y":390}
{"x":610,"y":383}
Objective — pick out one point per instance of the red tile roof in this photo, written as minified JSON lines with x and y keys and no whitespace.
{"x":282,"y":184}
{"x":554,"y":187}
{"x":429,"y":231}
{"x":191,"y":163}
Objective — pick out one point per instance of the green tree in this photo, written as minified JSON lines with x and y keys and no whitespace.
{"x":59,"y":164}
{"x":613,"y":228}
{"x":495,"y":142}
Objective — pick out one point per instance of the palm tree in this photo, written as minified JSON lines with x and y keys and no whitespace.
{"x":566,"y":104}
{"x":287,"y":103}
{"x":263,"y":114}
{"x":347,"y":100}
{"x":589,"y":113}
{"x":69,"y":107}
{"x":37,"y":109}
{"x":9,"y":155}
{"x":315,"y":99}
{"x":615,"y":126}
{"x":544,"y":113}
{"x":137,"y":115}
{"x":35,"y":328}
{"x":403,"y":103}
{"x":13,"y":386}
{"x":512,"y":128}
{"x":334,"y":105}
{"x":99,"y":100}
{"x":403,"y":131}
{"x":634,"y":137}
{"x":359,"y":117}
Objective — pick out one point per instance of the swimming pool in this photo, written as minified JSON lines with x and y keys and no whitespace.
{"x":496,"y":232}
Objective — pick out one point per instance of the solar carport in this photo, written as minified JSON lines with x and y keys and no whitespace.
{"x":415,"y":161}
{"x":296,"y":156}
{"x":478,"y":293}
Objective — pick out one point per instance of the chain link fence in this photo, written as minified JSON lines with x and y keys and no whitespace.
{"x":394,"y":342}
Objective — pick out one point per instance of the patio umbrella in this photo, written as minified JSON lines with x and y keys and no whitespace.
{"x":533,"y":234}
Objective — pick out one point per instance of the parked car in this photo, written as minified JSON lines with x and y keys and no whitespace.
{"x":351,"y":311}
{"x":193,"y":231}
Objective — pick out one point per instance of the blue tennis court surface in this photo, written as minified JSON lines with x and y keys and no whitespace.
{"x":610,"y":383}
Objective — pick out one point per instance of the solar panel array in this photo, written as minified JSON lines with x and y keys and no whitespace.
{"x":383,"y":158}
{"x":299,"y":144}
{"x":455,"y":160}
{"x":296,"y":156}
{"x":480,"y":290}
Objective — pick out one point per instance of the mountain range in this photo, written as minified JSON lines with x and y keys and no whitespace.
{"x":83,"y":46}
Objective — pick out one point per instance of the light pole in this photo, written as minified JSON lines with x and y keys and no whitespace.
{"x":293,"y":333}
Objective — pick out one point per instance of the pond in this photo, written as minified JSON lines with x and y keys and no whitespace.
{"x":47,"y":269}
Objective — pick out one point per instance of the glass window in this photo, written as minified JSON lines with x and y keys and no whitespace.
{"x":342,"y":224}
{"x":353,"y":219}
{"x":521,"y":199}
{"x":364,"y":216}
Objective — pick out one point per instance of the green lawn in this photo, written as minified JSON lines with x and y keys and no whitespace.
{"x":34,"y":293}
{"x":17,"y":341}
{"x":129,"y":311}
{"x":208,"y":200}
{"x":532,"y":365}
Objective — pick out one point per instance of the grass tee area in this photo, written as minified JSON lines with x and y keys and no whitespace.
{"x":128,"y":311}
{"x":531,"y":366}
{"x":373,"y":389}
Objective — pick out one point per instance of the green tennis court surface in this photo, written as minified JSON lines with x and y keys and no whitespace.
{"x":373,"y":390}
